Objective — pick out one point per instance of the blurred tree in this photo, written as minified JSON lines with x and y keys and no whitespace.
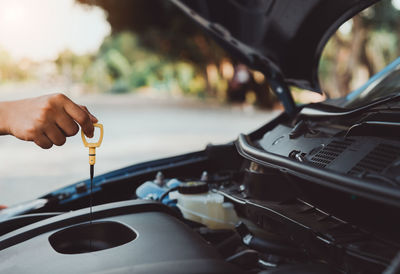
{"x":365,"y":45}
{"x":362,"y":47}
{"x":162,"y":29}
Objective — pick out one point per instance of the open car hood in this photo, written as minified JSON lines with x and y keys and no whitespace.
{"x":284,"y":39}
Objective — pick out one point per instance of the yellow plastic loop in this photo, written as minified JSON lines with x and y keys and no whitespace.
{"x":92,"y":146}
{"x":85,"y":142}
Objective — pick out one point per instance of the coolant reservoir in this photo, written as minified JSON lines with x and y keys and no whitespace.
{"x":198,"y":204}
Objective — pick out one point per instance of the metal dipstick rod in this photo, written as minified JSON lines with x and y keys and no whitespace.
{"x":91,"y":190}
{"x":92,"y":159}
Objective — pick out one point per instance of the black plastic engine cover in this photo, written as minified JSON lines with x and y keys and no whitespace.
{"x":160,"y":244}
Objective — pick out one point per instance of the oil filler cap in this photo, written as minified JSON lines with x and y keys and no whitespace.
{"x":193,"y":187}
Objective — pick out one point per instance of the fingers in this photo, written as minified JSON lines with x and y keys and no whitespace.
{"x":81,"y":116}
{"x":92,"y":117}
{"x":67,"y":124}
{"x":55,"y":135}
{"x":46,"y":120}
{"x":43,"y":141}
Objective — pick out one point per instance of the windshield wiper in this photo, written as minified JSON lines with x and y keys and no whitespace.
{"x":324,"y":111}
{"x":375,"y":128}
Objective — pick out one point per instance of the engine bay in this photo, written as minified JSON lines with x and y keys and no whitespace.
{"x":227,"y":209}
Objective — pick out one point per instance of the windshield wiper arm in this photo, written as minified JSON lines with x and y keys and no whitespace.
{"x":321,"y":111}
{"x":375,"y":128}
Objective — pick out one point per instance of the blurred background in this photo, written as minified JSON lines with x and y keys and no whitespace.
{"x":157,"y":83}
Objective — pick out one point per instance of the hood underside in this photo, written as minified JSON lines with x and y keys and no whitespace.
{"x":282,"y":38}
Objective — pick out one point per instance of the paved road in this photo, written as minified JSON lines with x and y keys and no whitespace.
{"x":137,"y":129}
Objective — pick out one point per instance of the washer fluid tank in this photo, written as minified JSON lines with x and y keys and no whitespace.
{"x":198,"y":204}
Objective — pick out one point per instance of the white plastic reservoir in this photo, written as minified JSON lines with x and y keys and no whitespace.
{"x":207,"y":208}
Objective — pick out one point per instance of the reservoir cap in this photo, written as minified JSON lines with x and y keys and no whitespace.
{"x":194,"y":187}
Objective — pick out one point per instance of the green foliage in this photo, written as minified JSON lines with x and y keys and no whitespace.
{"x":161,"y":48}
{"x":123,"y":64}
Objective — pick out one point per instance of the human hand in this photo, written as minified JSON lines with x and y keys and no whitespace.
{"x":45,"y":120}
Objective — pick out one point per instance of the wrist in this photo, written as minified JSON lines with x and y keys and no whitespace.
{"x":4,"y":112}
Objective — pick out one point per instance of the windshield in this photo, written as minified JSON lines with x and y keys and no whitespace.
{"x":383,"y":84}
{"x":362,"y":47}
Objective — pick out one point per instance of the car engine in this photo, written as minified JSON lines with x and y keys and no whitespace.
{"x":310,"y":194}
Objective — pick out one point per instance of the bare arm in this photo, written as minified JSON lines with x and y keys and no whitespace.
{"x":45,"y":120}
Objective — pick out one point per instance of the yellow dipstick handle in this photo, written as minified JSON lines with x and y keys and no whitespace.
{"x":92,"y":146}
